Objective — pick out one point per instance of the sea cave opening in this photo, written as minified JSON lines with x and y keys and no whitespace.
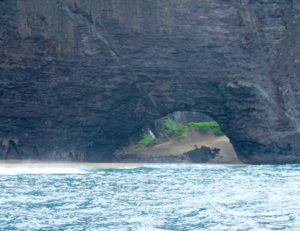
{"x":179,"y":137}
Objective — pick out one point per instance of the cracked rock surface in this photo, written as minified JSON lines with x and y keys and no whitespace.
{"x":77,"y":77}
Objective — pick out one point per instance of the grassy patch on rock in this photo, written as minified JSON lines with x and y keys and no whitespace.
{"x":171,"y":128}
{"x":147,"y":140}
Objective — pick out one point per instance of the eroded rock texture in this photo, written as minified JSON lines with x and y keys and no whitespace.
{"x":78,"y":77}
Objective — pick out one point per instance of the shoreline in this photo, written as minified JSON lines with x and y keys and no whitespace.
{"x":29,"y":163}
{"x":99,"y":165}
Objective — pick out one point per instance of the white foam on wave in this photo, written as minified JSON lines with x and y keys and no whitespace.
{"x":174,"y":166}
{"x":148,"y":228}
{"x":27,"y":169}
{"x":59,"y":168}
{"x":167,"y":166}
{"x":192,"y":165}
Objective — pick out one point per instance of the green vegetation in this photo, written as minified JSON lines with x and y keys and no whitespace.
{"x":205,"y":127}
{"x":183,"y":136}
{"x":171,"y":128}
{"x":218,"y":132}
{"x":147,"y":140}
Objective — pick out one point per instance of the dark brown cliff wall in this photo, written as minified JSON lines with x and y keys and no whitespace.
{"x":78,"y":77}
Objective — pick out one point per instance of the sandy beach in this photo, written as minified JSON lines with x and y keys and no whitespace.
{"x":175,"y":147}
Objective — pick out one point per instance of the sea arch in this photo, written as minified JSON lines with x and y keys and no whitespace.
{"x":77,"y":77}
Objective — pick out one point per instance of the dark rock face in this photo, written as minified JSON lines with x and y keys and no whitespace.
{"x":77,"y":77}
{"x":184,"y":117}
{"x":202,"y":154}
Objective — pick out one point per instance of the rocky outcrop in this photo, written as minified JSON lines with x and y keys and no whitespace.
{"x":79,"y":77}
{"x":202,"y":154}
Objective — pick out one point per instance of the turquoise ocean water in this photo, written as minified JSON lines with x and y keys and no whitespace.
{"x":154,"y":197}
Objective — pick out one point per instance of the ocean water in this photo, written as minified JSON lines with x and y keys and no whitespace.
{"x":154,"y":197}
